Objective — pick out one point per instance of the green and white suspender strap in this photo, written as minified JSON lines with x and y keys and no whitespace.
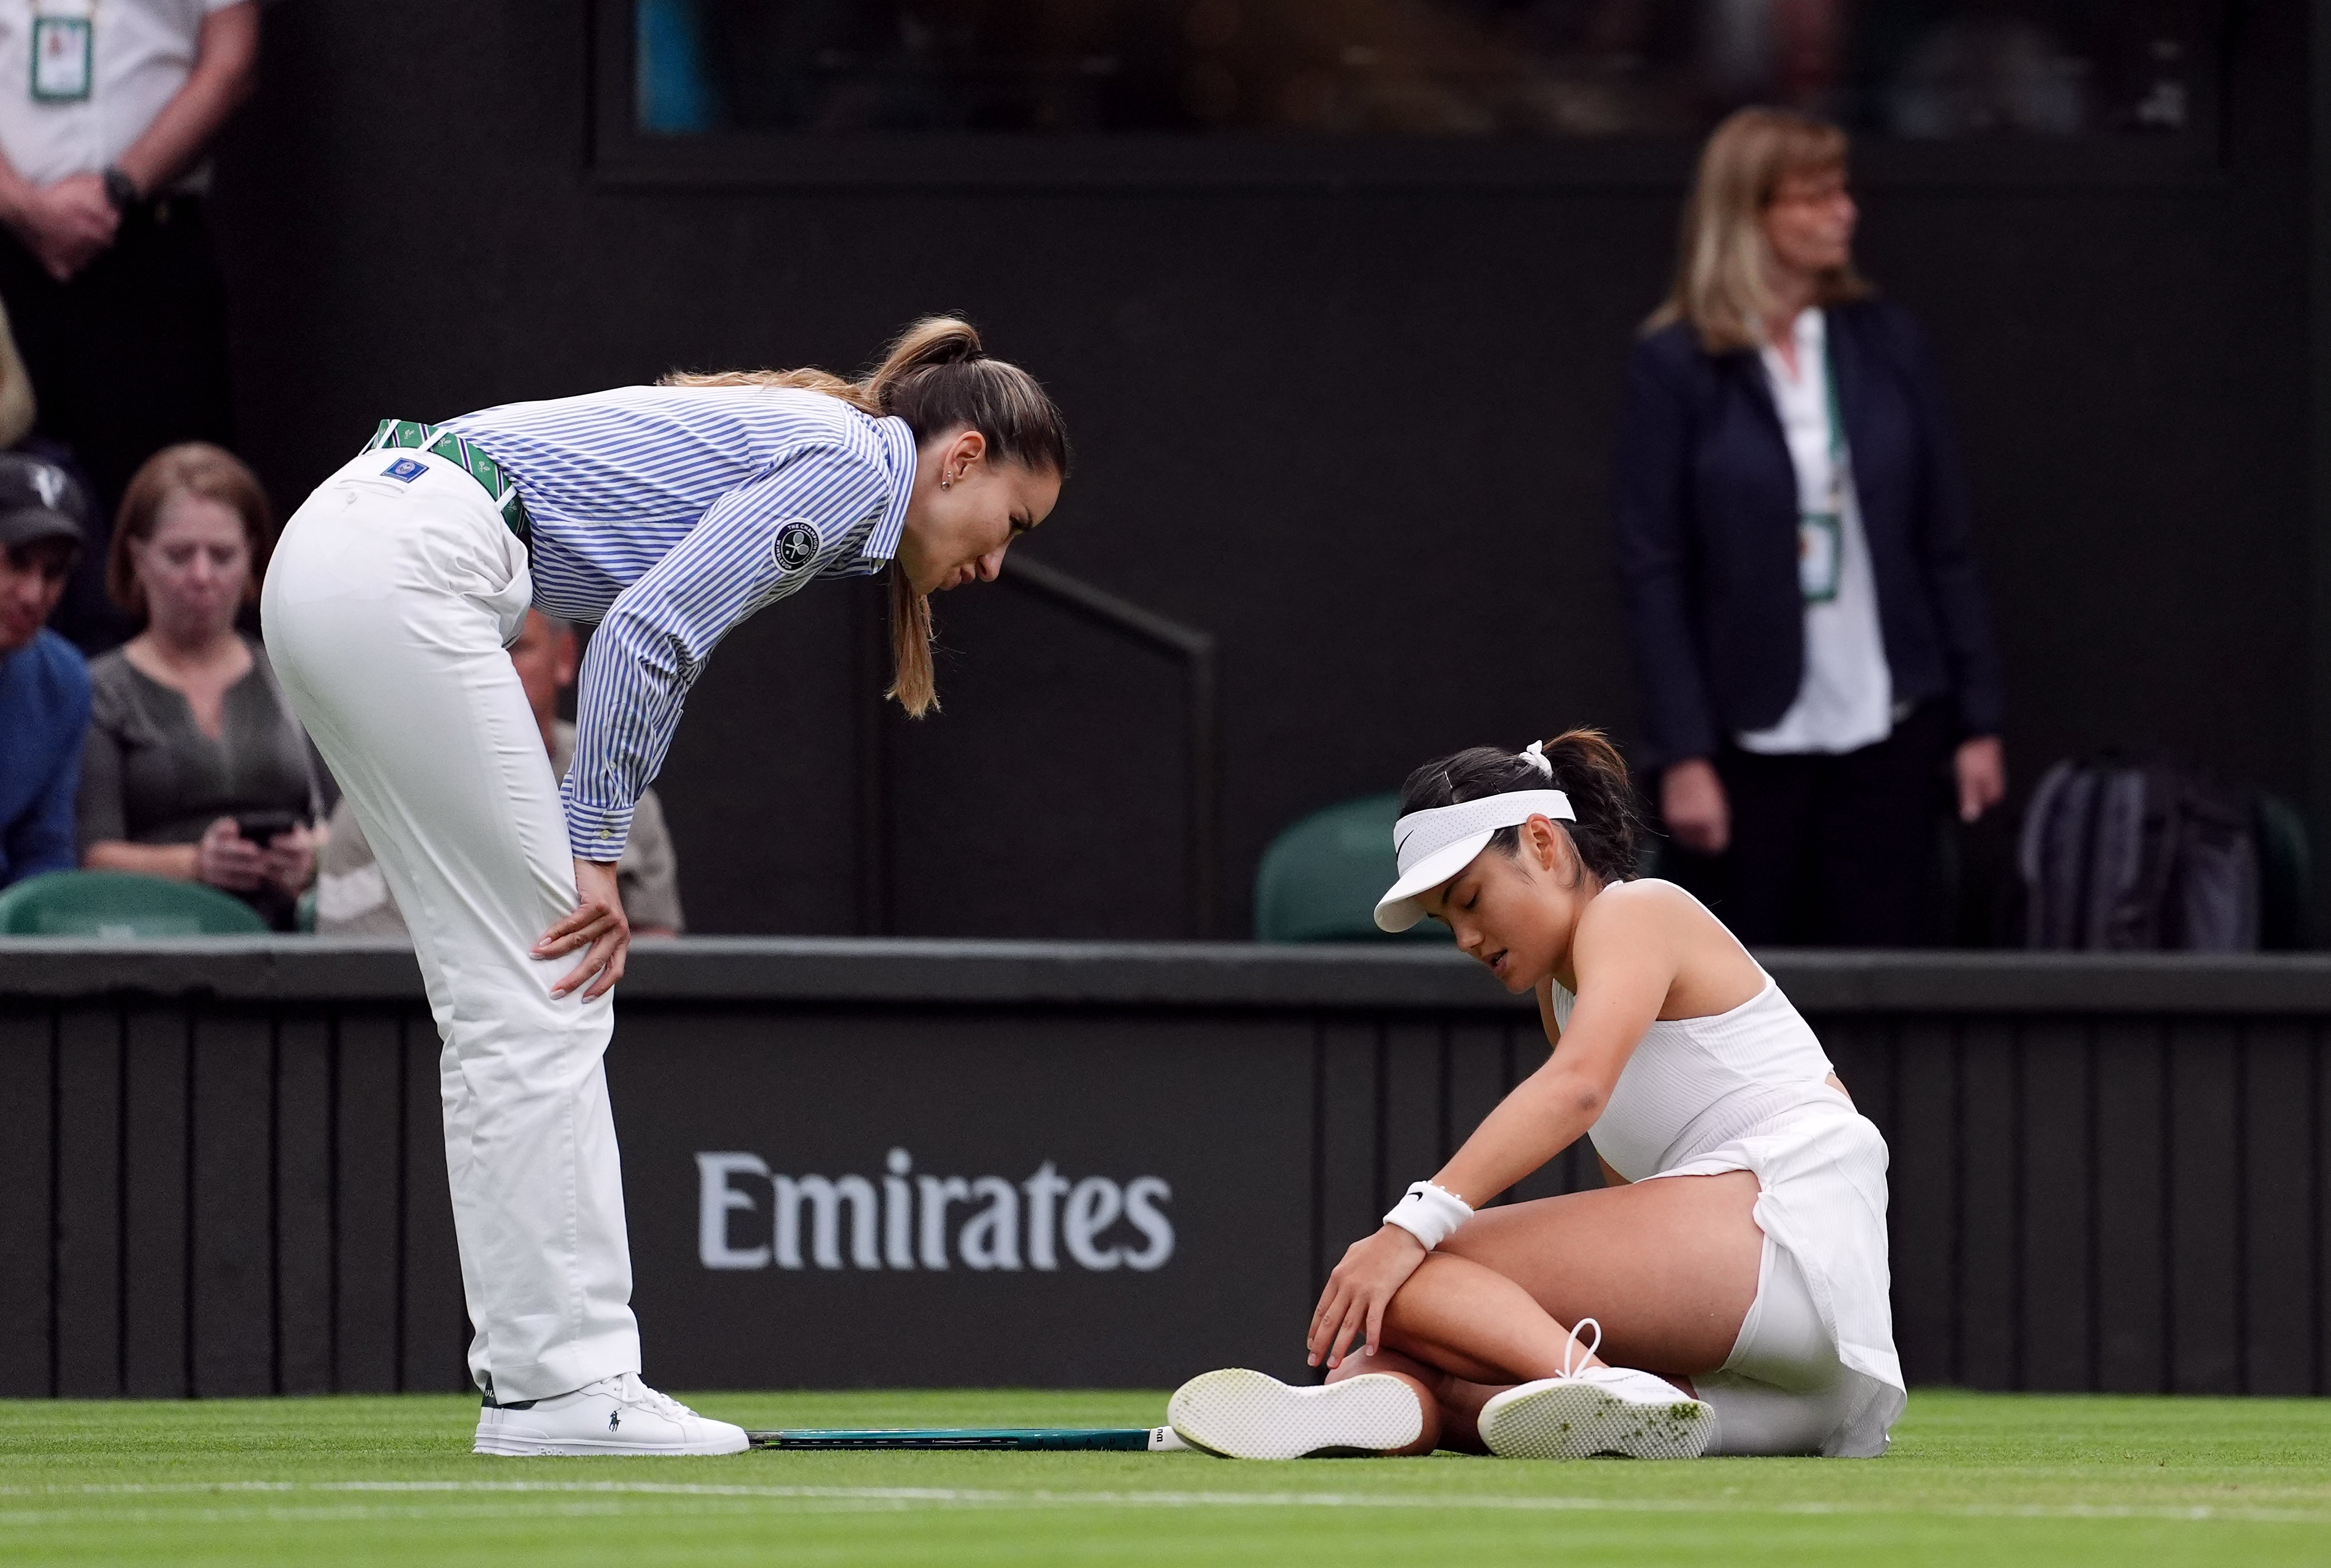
{"x":499,"y":486}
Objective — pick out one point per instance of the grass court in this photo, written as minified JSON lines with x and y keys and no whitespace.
{"x":1982,"y":1479}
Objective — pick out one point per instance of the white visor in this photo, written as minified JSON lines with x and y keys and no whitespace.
{"x":1434,"y":846}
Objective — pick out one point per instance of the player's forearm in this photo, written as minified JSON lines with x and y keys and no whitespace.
{"x":1546,"y":1113}
{"x":226,"y":70}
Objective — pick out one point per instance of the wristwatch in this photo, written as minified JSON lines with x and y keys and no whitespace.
{"x":120,"y":189}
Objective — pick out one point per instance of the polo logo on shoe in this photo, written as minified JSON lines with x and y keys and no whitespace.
{"x":614,"y":1419}
{"x":404,"y":470}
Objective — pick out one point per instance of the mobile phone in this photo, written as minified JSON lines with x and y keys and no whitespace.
{"x":261,"y":827}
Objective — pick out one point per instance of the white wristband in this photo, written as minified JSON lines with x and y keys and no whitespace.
{"x":1430,"y":1213}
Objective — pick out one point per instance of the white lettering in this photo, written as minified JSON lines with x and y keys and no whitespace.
{"x":906,"y":1219}
{"x":991,"y":1238}
{"x":937,"y":1193}
{"x":1153,"y":1226}
{"x":715,"y":1200}
{"x":1043,"y":1189}
{"x":825,"y":1200}
{"x":1093,"y":1208}
{"x":898,"y":1211}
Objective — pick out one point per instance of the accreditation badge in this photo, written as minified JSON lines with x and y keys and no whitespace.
{"x":62,"y":56}
{"x":1821,"y":554}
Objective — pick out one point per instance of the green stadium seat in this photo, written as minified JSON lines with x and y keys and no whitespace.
{"x":120,"y":905}
{"x":1320,"y":879}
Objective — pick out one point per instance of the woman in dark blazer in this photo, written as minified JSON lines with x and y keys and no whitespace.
{"x":1808,"y":629}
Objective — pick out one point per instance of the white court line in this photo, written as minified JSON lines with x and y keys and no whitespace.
{"x":851,"y":1498}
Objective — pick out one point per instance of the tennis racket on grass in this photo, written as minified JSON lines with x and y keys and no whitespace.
{"x":1024,"y":1440}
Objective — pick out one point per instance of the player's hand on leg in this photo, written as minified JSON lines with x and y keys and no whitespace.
{"x":1362,"y":1286}
{"x":597,"y":924}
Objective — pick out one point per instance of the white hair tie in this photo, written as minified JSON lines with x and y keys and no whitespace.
{"x":1536,"y":751}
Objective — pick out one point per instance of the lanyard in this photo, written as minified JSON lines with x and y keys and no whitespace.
{"x":1837,"y":453}
{"x":1821,"y":535}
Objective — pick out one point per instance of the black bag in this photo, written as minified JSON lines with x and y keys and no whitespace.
{"x":2124,"y":858}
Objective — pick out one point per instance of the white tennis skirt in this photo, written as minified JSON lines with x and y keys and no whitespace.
{"x":1822,"y":1170}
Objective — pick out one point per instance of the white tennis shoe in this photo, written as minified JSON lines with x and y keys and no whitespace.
{"x":615,"y":1415}
{"x":1597,"y":1410}
{"x":1237,"y":1414}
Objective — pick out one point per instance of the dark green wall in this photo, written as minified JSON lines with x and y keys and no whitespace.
{"x":1361,"y":437}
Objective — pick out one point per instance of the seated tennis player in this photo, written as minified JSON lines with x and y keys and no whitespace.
{"x":1726,"y":1293}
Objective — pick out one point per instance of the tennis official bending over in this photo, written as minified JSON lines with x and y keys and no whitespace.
{"x":1726,"y":1294}
{"x":667,"y":514}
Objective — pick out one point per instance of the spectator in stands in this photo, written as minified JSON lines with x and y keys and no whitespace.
{"x":105,"y":264}
{"x":352,"y":899}
{"x":83,"y":617}
{"x":196,"y":768}
{"x":17,"y":407}
{"x":43,"y":685}
{"x":1809,"y":637}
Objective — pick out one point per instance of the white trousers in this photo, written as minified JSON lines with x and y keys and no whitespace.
{"x":388,"y":609}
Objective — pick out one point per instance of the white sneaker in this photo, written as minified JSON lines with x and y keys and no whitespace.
{"x":1599,"y":1409}
{"x":615,"y":1415}
{"x":1237,"y":1414}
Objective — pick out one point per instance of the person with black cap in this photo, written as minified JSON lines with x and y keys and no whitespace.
{"x":44,"y":684}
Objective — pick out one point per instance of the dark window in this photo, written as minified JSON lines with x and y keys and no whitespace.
{"x":1914,"y":70}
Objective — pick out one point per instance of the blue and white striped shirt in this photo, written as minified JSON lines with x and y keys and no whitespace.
{"x":667,"y":514}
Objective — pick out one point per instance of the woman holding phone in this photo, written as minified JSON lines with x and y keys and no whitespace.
{"x":195,"y":768}
{"x":665,"y":515}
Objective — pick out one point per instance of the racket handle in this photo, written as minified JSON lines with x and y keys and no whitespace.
{"x":1166,"y":1440}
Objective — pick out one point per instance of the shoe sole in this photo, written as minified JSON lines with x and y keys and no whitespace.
{"x":1579,"y":1421}
{"x":520,"y":1448}
{"x":1238,"y":1415}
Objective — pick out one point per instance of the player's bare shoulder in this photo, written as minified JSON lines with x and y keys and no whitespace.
{"x":1713,"y":972}
{"x":1641,"y":908}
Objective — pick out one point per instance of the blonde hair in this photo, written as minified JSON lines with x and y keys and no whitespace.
{"x":1721,"y":282}
{"x":937,"y":377}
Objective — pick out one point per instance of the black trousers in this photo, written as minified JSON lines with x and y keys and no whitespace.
{"x":126,"y":358}
{"x":1834,"y":851}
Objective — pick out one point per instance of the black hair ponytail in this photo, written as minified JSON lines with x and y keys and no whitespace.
{"x":1587,"y":767}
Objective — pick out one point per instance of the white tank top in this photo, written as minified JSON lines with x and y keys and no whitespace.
{"x":1695,"y":1083}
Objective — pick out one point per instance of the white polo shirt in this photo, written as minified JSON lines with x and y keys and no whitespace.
{"x":1847,"y":700}
{"x":142,"y":51}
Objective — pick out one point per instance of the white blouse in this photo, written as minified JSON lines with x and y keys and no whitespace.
{"x":1847,"y":699}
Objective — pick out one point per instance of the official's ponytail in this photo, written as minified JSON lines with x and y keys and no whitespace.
{"x":1585,"y":765}
{"x":938,"y":378}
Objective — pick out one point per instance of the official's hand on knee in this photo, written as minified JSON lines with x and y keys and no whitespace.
{"x":1359,"y":1289}
{"x":597,"y":924}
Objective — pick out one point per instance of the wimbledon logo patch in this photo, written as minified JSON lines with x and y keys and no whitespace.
{"x":796,"y":545}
